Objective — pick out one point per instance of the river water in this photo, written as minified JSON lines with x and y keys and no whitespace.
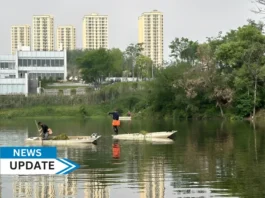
{"x":206,"y":159}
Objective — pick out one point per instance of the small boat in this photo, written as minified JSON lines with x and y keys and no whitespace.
{"x":154,"y":136}
{"x":125,"y":118}
{"x":157,"y":141}
{"x":73,"y":140}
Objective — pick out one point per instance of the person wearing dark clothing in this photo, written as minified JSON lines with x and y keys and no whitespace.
{"x":44,"y":129}
{"x":115,"y":121}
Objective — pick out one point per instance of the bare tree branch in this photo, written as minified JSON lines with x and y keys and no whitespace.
{"x":260,"y":6}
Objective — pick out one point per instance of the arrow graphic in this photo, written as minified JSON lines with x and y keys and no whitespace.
{"x":35,"y":166}
{"x":71,"y":166}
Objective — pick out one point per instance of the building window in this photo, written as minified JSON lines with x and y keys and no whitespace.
{"x":19,"y":62}
{"x":38,"y":63}
{"x":29,"y":62}
{"x":62,"y":63}
{"x":24,"y":62}
{"x":43,"y":63}
{"x":57,"y":63}
{"x":34,"y":62}
{"x":48,"y":62}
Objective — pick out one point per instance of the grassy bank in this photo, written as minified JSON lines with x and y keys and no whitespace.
{"x":81,"y":111}
{"x":136,"y":97}
{"x":122,"y":96}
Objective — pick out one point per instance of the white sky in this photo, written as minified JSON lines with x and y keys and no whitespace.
{"x":194,"y":19}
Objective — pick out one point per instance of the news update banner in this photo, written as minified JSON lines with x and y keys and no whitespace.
{"x":33,"y":161}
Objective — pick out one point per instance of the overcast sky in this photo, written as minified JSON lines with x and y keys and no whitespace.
{"x":194,"y":19}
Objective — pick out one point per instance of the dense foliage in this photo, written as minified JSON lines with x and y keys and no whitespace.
{"x":223,"y":76}
{"x":93,"y":66}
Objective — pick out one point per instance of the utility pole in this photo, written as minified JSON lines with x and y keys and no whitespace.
{"x":133,"y":65}
{"x":152,"y":70}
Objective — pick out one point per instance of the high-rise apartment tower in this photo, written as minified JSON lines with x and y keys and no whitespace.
{"x":66,"y":37}
{"x":43,"y":33}
{"x":20,"y":36}
{"x":150,"y":33}
{"x":95,"y":31}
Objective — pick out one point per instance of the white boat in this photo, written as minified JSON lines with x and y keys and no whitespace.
{"x":125,"y":118}
{"x":149,"y":141}
{"x":154,"y":136}
{"x":73,"y":140}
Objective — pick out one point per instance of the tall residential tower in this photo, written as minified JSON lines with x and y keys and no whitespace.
{"x":150,"y":33}
{"x":95,"y":31}
{"x":20,"y":36}
{"x":43,"y":33}
{"x":66,"y":37}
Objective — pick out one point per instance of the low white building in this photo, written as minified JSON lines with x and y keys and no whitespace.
{"x":48,"y":64}
{"x":14,"y":86}
{"x":20,"y":72}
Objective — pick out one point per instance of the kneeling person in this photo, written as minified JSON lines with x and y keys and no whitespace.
{"x":44,"y":129}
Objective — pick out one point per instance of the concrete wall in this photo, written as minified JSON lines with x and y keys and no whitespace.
{"x":14,"y":86}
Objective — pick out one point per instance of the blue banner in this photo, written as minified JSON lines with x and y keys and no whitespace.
{"x":28,"y":152}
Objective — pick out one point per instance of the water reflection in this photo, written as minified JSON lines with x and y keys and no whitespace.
{"x":55,"y":186}
{"x":205,"y":160}
{"x":13,"y":137}
{"x":154,"y":180}
{"x":116,"y":150}
{"x":96,"y":190}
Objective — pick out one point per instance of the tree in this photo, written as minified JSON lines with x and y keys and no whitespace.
{"x":132,"y":52}
{"x":144,"y":67}
{"x":118,"y":61}
{"x":245,"y":53}
{"x":95,"y":65}
{"x":184,"y":49}
{"x":216,"y":82}
{"x":254,"y":67}
{"x":72,"y":56}
{"x":260,"y":6}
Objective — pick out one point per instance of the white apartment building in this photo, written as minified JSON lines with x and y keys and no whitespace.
{"x":66,"y":37}
{"x":150,"y":33}
{"x":43,"y":33}
{"x":95,"y":31}
{"x":20,"y":36}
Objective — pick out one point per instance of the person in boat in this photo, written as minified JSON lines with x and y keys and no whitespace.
{"x":115,"y":121}
{"x":44,"y":129}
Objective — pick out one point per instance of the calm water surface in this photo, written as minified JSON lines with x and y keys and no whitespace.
{"x":207,"y":159}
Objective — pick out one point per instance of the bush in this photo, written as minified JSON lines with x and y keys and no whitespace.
{"x":83,"y":111}
{"x":88,"y":89}
{"x":60,"y":92}
{"x":73,"y":91}
{"x":243,"y":105}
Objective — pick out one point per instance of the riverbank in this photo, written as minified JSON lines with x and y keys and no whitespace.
{"x":81,"y":111}
{"x":139,"y":98}
{"x":97,"y":111}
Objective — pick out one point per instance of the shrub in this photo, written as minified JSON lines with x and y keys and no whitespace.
{"x":73,"y":91}
{"x":60,"y":92}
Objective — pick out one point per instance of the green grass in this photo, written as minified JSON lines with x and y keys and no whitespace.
{"x":122,"y":96}
{"x":55,"y":111}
